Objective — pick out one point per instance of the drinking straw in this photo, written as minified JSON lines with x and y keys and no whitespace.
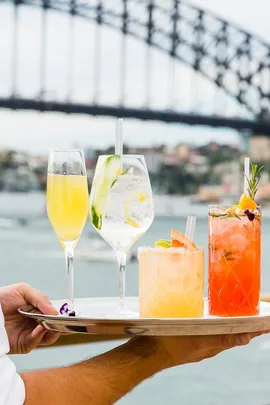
{"x":247,"y":165}
{"x":119,"y":139}
{"x":190,"y":227}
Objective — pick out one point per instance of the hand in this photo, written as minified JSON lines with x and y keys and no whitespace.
{"x":23,"y":333}
{"x":190,"y":349}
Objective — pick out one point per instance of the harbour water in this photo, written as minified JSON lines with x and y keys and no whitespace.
{"x":32,"y":254}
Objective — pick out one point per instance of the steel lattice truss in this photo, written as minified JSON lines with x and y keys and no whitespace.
{"x":235,"y":60}
{"x":232,"y":58}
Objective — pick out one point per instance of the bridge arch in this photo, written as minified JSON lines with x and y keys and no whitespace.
{"x":232,"y":58}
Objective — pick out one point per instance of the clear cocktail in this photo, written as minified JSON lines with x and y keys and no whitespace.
{"x":121,"y":206}
{"x":234,"y":261}
{"x":171,"y":282}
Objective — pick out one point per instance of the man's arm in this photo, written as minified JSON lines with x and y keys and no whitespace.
{"x":108,"y":377}
{"x":100,"y":381}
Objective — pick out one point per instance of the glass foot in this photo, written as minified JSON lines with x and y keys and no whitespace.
{"x":122,"y":310}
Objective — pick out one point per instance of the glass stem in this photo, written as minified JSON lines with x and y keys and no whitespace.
{"x":69,"y":253}
{"x":121,"y":258}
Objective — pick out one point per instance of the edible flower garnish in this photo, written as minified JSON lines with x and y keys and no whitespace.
{"x":65,"y":311}
{"x":250,"y":215}
{"x":247,"y":204}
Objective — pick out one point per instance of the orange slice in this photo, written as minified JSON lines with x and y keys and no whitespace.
{"x":119,"y":171}
{"x":246,"y":203}
{"x":179,"y":240}
{"x":132,"y":197}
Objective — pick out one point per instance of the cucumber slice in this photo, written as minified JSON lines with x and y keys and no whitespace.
{"x":103,"y":183}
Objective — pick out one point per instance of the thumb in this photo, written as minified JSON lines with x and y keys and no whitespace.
{"x":37,"y":299}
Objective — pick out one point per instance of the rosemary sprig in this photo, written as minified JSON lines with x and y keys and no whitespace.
{"x":225,"y":216}
{"x":253,"y":182}
{"x":218,"y":215}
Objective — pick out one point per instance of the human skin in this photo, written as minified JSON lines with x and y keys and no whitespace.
{"x":23,"y":333}
{"x":106,"y":378}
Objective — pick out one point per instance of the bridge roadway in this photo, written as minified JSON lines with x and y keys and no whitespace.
{"x":258,"y":126}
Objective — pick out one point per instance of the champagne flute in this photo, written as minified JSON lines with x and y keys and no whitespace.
{"x":67,"y":204}
{"x":121,"y":207}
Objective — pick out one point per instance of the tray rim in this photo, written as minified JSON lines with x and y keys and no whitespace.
{"x":24,"y":310}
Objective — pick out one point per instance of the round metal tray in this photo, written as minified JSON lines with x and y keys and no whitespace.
{"x":98,"y":316}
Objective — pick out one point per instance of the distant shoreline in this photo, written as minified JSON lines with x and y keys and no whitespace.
{"x":32,"y":205}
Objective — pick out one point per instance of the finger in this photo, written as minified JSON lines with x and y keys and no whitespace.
{"x":240,"y":340}
{"x":244,"y":339}
{"x":37,"y":298}
{"x":224,"y":342}
{"x":43,"y":336}
{"x":39,"y":330}
{"x":50,"y":338}
{"x":219,"y":342}
{"x":34,"y":338}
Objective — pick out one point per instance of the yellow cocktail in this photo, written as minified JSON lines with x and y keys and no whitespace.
{"x":171,"y":282}
{"x":67,"y":205}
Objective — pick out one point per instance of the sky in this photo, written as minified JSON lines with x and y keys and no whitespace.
{"x":38,"y":133}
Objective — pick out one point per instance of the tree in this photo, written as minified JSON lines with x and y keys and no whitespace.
{"x":8,"y":160}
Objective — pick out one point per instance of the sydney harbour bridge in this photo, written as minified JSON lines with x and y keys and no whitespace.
{"x":234,"y":62}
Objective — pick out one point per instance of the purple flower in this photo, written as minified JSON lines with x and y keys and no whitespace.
{"x":64,"y":309}
{"x":250,"y":215}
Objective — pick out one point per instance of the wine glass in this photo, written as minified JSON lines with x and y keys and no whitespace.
{"x":67,"y":204}
{"x":121,"y":207}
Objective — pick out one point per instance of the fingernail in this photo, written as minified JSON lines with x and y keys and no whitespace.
{"x":242,"y":339}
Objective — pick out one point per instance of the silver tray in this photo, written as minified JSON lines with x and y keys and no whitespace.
{"x":98,"y":316}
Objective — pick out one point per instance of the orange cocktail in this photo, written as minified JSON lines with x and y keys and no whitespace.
{"x":171,"y":280}
{"x":234,"y":260}
{"x":171,"y":283}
